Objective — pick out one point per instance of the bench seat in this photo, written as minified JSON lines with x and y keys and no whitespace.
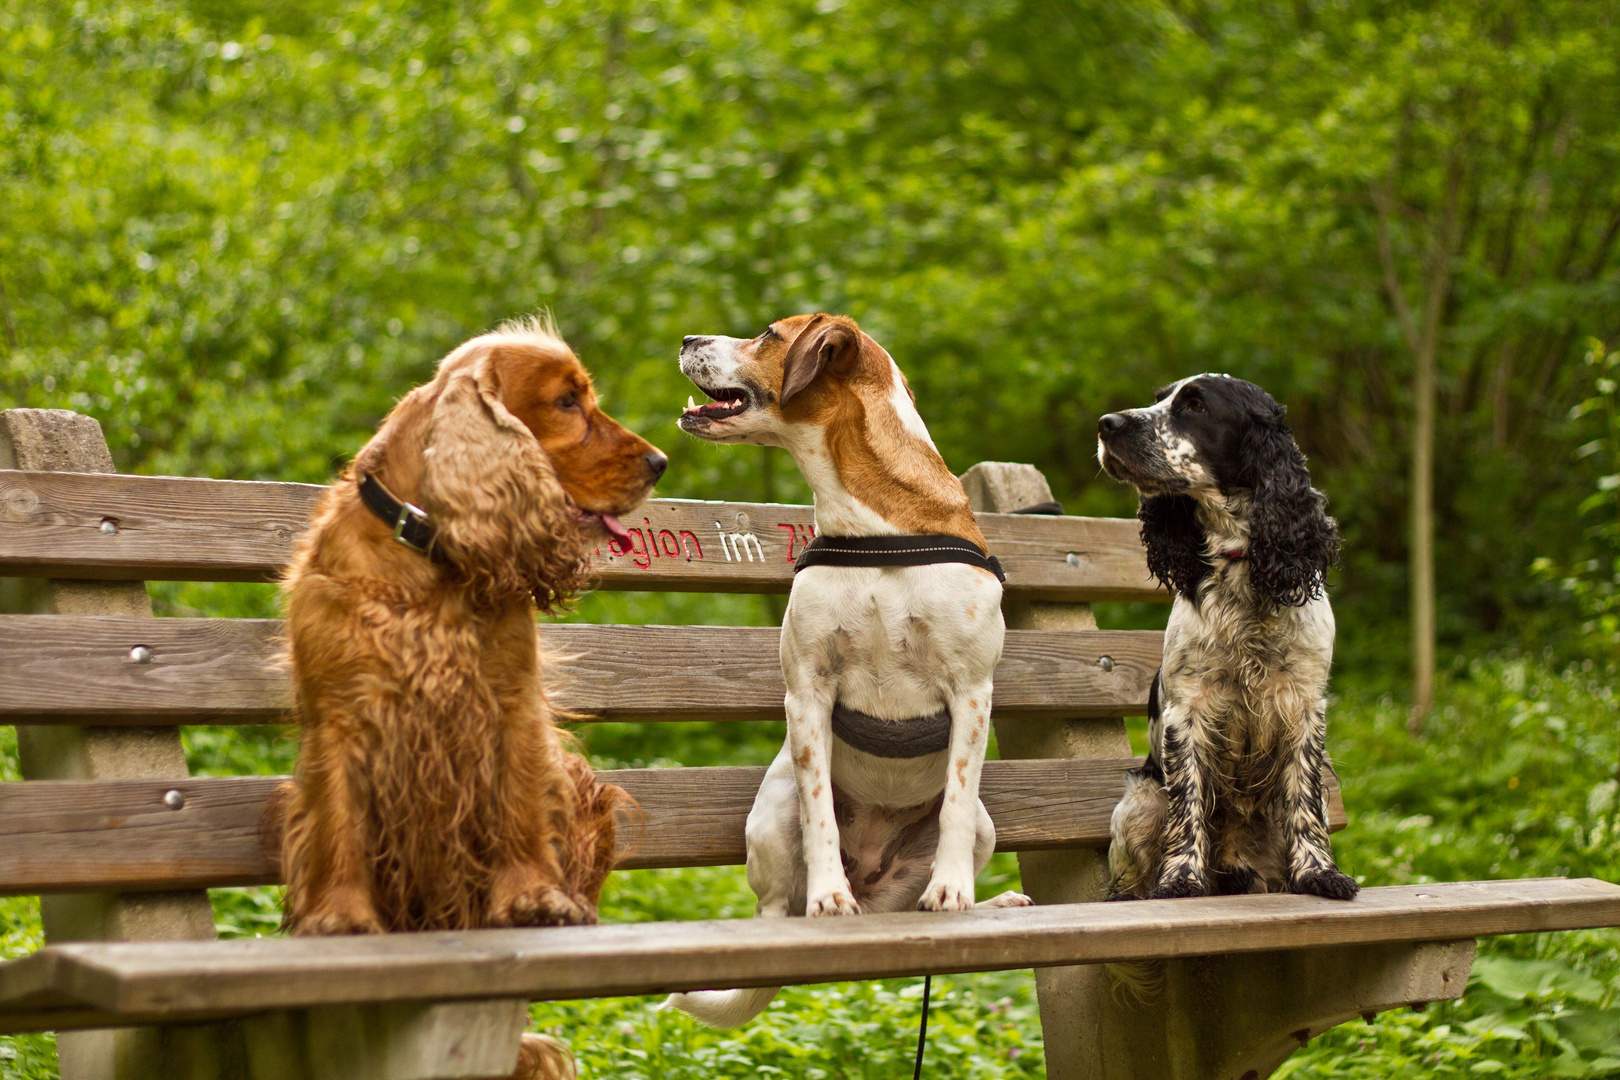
{"x":101,"y":984}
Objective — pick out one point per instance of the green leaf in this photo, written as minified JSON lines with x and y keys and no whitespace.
{"x":1540,"y":978}
{"x":1592,"y":1030}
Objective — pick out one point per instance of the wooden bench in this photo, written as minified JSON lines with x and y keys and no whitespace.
{"x":121,"y":843}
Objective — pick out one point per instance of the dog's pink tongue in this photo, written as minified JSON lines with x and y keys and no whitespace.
{"x":618,"y":535}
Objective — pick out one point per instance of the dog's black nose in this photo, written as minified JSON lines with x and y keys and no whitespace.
{"x":687,"y":340}
{"x":1111,"y":423}
{"x":656,"y":464}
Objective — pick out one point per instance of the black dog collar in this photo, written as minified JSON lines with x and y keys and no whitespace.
{"x":892,"y":738}
{"x":411,"y":524}
{"x":895,"y":551}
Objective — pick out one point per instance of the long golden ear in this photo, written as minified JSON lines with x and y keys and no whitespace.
{"x":823,"y":343}
{"x":503,"y":518}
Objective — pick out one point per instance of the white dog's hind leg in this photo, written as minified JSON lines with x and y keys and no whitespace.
{"x":776,"y":874}
{"x":984,"y":846}
{"x":723,"y":1008}
{"x":951,"y":887}
{"x":729,"y":1008}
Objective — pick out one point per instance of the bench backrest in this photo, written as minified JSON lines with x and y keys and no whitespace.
{"x":139,"y":834}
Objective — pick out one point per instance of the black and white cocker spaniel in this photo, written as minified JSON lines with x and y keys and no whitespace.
{"x":1230,"y":799}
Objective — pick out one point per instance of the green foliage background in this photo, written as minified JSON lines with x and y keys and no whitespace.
{"x":236,"y":232}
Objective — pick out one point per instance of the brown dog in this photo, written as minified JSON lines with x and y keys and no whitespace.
{"x":433,"y":791}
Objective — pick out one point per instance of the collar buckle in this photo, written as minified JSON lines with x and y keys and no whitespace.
{"x":409,"y":513}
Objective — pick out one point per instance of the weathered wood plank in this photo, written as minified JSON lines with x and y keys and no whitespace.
{"x":145,"y":981}
{"x":61,"y":669}
{"x":63,"y":835}
{"x":177,"y":528}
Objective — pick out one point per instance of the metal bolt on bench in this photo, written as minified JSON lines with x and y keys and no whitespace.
{"x":121,"y":843}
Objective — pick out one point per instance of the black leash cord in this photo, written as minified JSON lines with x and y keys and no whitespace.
{"x":922,"y":1029}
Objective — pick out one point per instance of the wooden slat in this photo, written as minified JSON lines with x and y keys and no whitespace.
{"x":65,"y":669}
{"x":183,"y":529}
{"x":113,"y":982}
{"x":64,"y":835}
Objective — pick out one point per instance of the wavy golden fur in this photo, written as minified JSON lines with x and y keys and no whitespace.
{"x":433,"y":791}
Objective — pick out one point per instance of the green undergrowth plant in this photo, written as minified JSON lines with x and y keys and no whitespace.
{"x":1516,"y":776}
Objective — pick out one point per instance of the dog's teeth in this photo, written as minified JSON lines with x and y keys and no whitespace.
{"x":690,"y":404}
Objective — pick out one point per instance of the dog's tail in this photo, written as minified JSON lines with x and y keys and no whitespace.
{"x":723,"y":1008}
{"x":541,"y":1057}
{"x":1135,"y":852}
{"x":1137,"y":982}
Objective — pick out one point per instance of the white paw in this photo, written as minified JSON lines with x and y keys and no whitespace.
{"x":837,"y":902}
{"x":946,"y":896}
{"x":1007,"y":899}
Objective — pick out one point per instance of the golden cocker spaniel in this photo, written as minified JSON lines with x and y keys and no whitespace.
{"x":433,"y":791}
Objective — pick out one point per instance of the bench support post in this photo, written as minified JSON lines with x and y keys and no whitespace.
{"x":1239,"y":1017}
{"x":1218,"y":1018}
{"x":458,"y":1040}
{"x":54,"y":440}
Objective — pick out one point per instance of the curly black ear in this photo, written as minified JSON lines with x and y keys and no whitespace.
{"x":1292,"y":541}
{"x":1174,"y":542}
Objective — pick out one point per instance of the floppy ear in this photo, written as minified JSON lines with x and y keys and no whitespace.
{"x":1292,"y":541}
{"x":821,"y":344}
{"x":1174,"y":542}
{"x":504,"y":522}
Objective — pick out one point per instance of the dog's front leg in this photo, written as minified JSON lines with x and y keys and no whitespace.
{"x":809,"y":736}
{"x":1185,"y":871}
{"x":951,"y":887}
{"x":327,"y":865}
{"x":1311,"y":868}
{"x":534,"y":804}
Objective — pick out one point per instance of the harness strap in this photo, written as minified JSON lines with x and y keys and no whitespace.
{"x":411,"y":524}
{"x":895,"y":551}
{"x":914,"y":738}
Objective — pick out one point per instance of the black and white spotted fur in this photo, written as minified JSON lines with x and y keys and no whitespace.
{"x":1230,"y":800}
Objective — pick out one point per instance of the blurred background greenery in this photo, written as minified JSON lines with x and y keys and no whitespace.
{"x":236,"y":232}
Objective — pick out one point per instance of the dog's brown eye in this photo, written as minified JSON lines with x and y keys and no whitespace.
{"x":568,"y":401}
{"x":1193,"y":405}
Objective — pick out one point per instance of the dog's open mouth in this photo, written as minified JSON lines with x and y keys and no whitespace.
{"x":618,"y":536}
{"x":725,"y":404}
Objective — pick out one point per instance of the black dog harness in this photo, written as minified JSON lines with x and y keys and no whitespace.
{"x":895,"y":551}
{"x":894,"y":738}
{"x":924,"y":734}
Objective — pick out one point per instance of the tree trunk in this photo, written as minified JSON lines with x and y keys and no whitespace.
{"x":1421,"y":516}
{"x":1424,"y":342}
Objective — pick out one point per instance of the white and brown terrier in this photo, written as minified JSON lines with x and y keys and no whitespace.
{"x":876,"y":809}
